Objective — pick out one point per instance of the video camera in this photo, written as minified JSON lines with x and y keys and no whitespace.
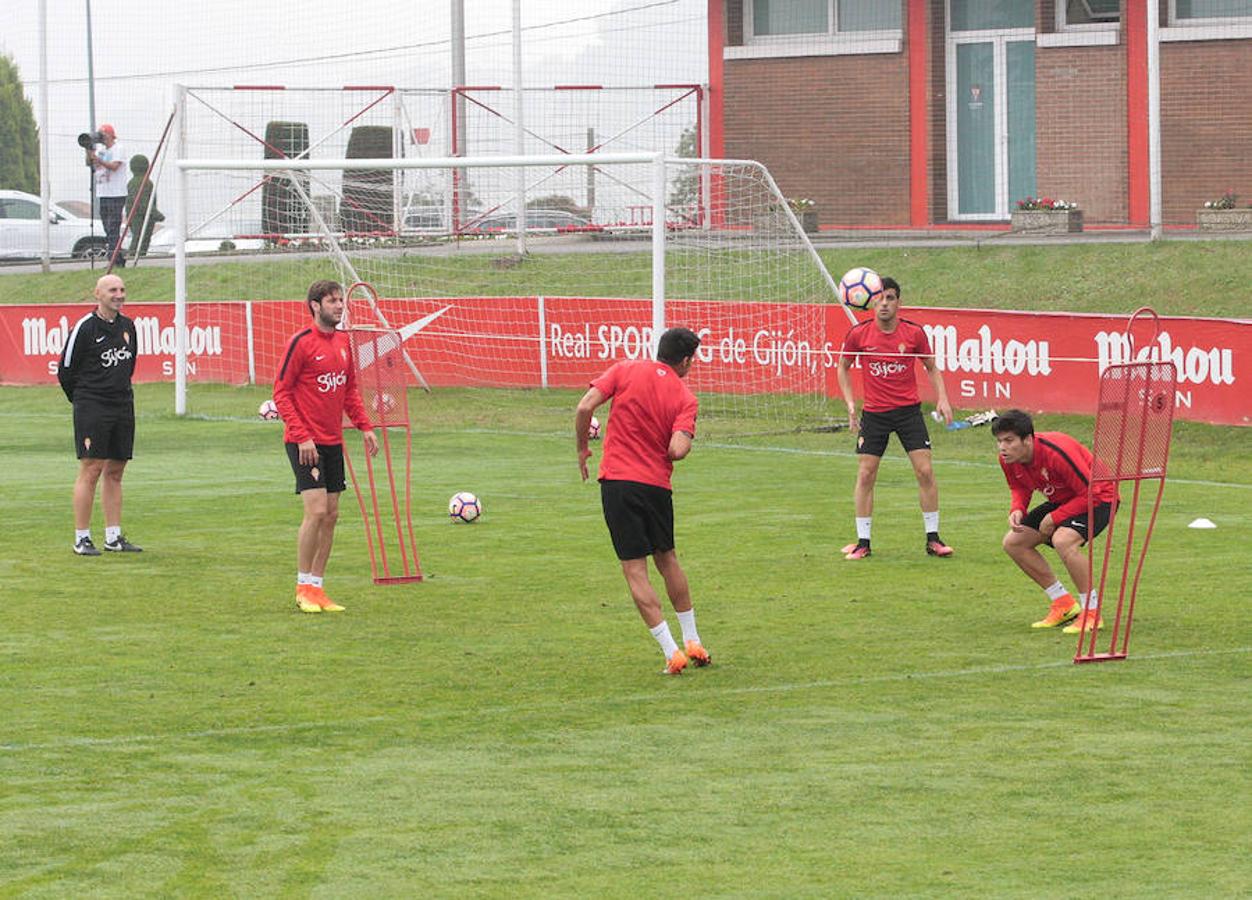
{"x":89,"y":139}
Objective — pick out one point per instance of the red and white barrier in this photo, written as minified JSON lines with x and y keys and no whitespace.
{"x":1046,"y":362}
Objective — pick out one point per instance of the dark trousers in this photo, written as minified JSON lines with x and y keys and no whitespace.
{"x":111,"y":216}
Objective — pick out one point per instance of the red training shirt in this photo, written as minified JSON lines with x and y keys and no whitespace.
{"x":888,"y":376}
{"x":650,"y":404}
{"x":316,"y":385}
{"x":1061,"y":471}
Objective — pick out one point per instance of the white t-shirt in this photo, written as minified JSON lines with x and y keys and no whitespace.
{"x":112,"y":183}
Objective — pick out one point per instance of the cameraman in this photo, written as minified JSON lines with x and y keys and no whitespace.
{"x":108,"y":164}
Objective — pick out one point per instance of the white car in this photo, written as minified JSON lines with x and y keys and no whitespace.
{"x":162,"y":244}
{"x":68,"y":234}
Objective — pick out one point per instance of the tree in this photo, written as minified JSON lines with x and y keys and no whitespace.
{"x":19,"y":163}
{"x":684,"y":195}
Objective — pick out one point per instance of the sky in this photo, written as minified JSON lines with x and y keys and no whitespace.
{"x":142,"y":49}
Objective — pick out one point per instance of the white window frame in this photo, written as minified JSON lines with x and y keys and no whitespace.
{"x":832,"y":42}
{"x":1229,"y":28}
{"x":1063,"y":25}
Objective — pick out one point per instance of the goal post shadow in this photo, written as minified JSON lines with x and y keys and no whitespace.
{"x":1133,"y":428}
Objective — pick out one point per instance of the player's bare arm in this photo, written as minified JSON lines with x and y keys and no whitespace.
{"x":679,"y":445}
{"x":845,"y":388}
{"x":590,"y":402}
{"x":371,"y":441}
{"x":1015,"y":521}
{"x":942,"y":406}
{"x":308,"y":452}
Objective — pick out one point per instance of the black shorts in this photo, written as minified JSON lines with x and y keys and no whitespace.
{"x":326,"y":473}
{"x":906,"y":421}
{"x":104,"y":430}
{"x":640,"y":518}
{"x":1078,"y":523}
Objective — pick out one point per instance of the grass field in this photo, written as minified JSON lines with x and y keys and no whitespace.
{"x":172,"y":726}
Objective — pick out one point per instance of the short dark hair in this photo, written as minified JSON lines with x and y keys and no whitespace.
{"x":676,"y":345}
{"x":320,"y":290}
{"x":890,"y":284}
{"x":1015,"y":421}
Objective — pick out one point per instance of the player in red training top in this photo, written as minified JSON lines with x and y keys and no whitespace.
{"x":1057,"y":466}
{"x":316,"y":385}
{"x":651,"y":424}
{"x":888,"y":346}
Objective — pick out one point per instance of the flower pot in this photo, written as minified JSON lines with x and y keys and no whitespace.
{"x":808,"y":221}
{"x":1047,"y":221}
{"x":1224,"y":219}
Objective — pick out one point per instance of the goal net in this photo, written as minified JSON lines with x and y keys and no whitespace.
{"x":611,"y":249}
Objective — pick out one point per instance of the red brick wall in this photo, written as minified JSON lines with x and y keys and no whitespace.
{"x":832,"y":128}
{"x":1080,"y":128}
{"x":1206,"y":125}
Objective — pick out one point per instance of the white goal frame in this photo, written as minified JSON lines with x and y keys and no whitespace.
{"x":658,"y":162}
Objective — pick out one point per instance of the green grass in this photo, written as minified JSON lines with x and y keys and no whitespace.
{"x":1094,"y":277}
{"x":172,"y":726}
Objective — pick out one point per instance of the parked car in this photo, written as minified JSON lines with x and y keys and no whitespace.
{"x":538,"y":219}
{"x":68,"y":234}
{"x":162,"y":244}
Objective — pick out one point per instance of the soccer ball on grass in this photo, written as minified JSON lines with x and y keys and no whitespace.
{"x":464,"y":507}
{"x":860,"y":288}
{"x":268,"y":410}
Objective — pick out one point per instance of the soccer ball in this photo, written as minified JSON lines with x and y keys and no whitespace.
{"x":383,"y":403}
{"x":464,"y":507}
{"x":593,"y":430}
{"x":268,"y":410}
{"x":859,"y":288}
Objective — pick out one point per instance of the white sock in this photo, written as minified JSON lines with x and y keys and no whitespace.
{"x":304,"y":578}
{"x":862,"y":527}
{"x":930,"y":520}
{"x":112,"y":533}
{"x":1090,"y":601}
{"x":688,"y":622}
{"x":315,"y":580}
{"x":665,"y":639}
{"x":1055,"y":590}
{"x":80,"y":533}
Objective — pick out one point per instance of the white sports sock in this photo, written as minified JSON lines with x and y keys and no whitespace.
{"x":688,"y":622}
{"x":665,"y":639}
{"x":315,"y":580}
{"x":1090,"y":601}
{"x":931,"y":521}
{"x":303,"y":578}
{"x":80,"y":533}
{"x":862,"y":527}
{"x":1055,"y":590}
{"x":112,"y":533}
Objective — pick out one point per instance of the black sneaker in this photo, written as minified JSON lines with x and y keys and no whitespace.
{"x":84,"y":547}
{"x":121,"y":545}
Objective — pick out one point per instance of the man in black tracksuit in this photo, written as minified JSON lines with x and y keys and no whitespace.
{"x":95,"y":372}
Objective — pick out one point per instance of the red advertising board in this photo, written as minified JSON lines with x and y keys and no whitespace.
{"x":990,"y":358}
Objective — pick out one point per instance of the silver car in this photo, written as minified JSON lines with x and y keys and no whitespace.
{"x":68,"y":234}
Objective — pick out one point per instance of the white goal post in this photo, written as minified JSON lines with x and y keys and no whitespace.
{"x":618,"y":246}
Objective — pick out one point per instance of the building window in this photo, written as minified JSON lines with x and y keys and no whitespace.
{"x":1090,"y":12}
{"x":777,"y":18}
{"x":1198,"y":12}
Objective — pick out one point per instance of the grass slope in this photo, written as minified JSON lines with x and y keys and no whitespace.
{"x":1176,"y":278}
{"x":172,"y":726}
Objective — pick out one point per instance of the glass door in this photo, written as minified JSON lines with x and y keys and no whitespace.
{"x":991,"y":107}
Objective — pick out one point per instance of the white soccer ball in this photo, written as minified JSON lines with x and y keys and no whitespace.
{"x":464,"y":507}
{"x":593,"y":430}
{"x":268,"y":410}
{"x":859,"y":288}
{"x":383,"y":403}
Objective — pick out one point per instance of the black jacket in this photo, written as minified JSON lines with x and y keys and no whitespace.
{"x":99,"y":360}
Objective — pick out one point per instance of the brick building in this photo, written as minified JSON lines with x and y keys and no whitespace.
{"x":923,"y":112}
